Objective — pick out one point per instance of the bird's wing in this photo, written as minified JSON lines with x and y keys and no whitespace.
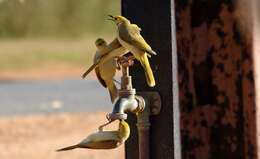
{"x":136,"y":27}
{"x":108,"y":69}
{"x":131,"y":34}
{"x":97,"y":58}
{"x":99,"y":140}
{"x":104,"y":144}
{"x":103,"y":83}
{"x":114,"y":45}
{"x":102,"y":136}
{"x":101,"y":59}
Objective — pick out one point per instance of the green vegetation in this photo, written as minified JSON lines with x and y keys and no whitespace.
{"x":36,"y":33}
{"x":26,"y":53}
{"x":56,"y":18}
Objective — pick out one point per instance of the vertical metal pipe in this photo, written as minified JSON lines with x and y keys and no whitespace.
{"x":125,"y":71}
{"x":126,"y":80}
{"x":143,"y":126}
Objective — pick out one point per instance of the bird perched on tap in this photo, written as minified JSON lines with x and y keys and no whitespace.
{"x":113,"y":50}
{"x":128,"y":39}
{"x":105,"y":64}
{"x":106,"y":71}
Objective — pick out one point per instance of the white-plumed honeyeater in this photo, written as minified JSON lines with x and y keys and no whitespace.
{"x":113,"y":50}
{"x":104,"y":139}
{"x":106,"y":71}
{"x":130,"y":38}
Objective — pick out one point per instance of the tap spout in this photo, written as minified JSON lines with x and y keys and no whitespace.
{"x":121,"y":106}
{"x":125,"y":104}
{"x":128,"y":101}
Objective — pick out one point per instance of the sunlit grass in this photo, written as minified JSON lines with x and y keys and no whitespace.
{"x":29,"y":53}
{"x":56,"y":18}
{"x":40,"y":33}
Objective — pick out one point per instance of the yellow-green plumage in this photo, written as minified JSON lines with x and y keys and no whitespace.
{"x":114,"y":49}
{"x":147,"y":69}
{"x":104,"y":139}
{"x":106,"y":71}
{"x":130,"y":38}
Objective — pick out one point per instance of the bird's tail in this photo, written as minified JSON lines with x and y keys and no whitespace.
{"x":68,"y":148}
{"x":112,"y":91}
{"x":90,"y":69}
{"x":147,"y":69}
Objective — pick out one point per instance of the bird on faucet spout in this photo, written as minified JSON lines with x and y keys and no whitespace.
{"x":104,"y":139}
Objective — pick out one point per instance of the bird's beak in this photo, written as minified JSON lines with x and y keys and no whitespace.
{"x":111,"y":17}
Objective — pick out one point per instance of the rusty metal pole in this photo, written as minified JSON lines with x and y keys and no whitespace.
{"x":216,"y":79}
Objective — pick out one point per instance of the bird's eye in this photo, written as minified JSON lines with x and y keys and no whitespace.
{"x":116,"y":18}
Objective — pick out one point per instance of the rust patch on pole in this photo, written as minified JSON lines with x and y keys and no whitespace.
{"x":216,"y":82}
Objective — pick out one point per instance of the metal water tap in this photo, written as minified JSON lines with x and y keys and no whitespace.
{"x":144,"y":105}
{"x":128,"y":100}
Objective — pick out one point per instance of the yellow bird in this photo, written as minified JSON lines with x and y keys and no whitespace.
{"x":106,"y":71}
{"x":104,"y":139}
{"x":130,"y":38}
{"x":114,"y":49}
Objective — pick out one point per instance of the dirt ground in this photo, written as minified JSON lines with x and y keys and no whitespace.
{"x":52,"y":72}
{"x":38,"y":136}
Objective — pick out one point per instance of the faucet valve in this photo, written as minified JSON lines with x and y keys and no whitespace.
{"x":128,"y":101}
{"x":141,"y":104}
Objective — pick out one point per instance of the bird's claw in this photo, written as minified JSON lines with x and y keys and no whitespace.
{"x":100,"y":128}
{"x":126,"y":61}
{"x":108,"y":118}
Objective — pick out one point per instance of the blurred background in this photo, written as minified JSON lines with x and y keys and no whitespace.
{"x":45,"y":46}
{"x":43,"y":34}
